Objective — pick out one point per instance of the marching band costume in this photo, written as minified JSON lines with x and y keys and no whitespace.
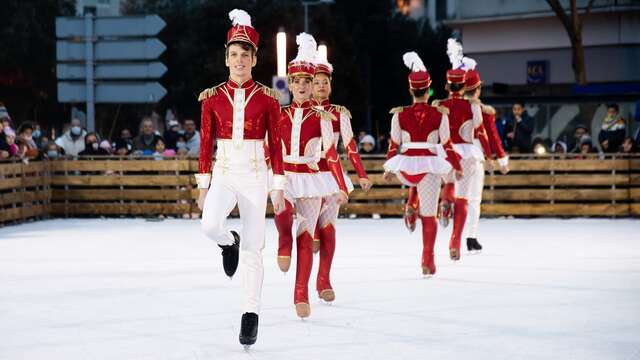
{"x":325,"y":233}
{"x":421,"y":153}
{"x":491,"y":145}
{"x":307,"y":136}
{"x":238,"y":116}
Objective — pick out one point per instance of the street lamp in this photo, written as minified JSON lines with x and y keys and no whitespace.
{"x":281,"y":47}
{"x":306,"y":5}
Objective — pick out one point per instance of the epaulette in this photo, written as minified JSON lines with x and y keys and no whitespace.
{"x":325,"y":115}
{"x":435,"y":103}
{"x":396,"y":110}
{"x":207,"y":93}
{"x":488,"y":109}
{"x":442,"y":109}
{"x":343,"y":110}
{"x":269,"y":91}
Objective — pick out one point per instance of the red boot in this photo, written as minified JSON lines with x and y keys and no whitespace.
{"x":459,"y":217}
{"x":316,"y":239}
{"x":411,"y":209}
{"x":284,"y":224}
{"x":429,"y":232}
{"x":303,"y":273}
{"x":327,"y":249}
{"x":446,"y":203}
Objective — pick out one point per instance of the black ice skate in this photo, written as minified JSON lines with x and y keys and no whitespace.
{"x":473,"y":244}
{"x":249,"y":329}
{"x":230,"y":255}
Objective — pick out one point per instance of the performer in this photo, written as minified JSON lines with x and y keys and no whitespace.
{"x":420,"y":153}
{"x":491,"y":146}
{"x":465,"y":116}
{"x":325,"y":233}
{"x":238,"y":114}
{"x":307,"y":135}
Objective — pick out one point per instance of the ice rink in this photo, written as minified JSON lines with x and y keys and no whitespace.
{"x":134,"y":289}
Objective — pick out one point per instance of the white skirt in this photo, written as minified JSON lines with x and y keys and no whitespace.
{"x":303,"y":185}
{"x":414,"y":165}
{"x":467,"y":151}
{"x":331,"y":182}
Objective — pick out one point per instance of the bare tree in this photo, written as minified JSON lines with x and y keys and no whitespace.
{"x":573,"y":22}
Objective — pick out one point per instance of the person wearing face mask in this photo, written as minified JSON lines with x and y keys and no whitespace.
{"x":52,"y":152}
{"x":181,"y":146}
{"x":72,"y":141}
{"x":92,"y":146}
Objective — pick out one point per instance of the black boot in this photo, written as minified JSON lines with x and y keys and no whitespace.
{"x":249,"y":329}
{"x":230,"y":255}
{"x":473,"y":244}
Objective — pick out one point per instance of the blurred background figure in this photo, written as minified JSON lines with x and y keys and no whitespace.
{"x":72,"y":140}
{"x":613,"y":130}
{"x":367,"y":144}
{"x":518,"y":129}
{"x":145,"y":143}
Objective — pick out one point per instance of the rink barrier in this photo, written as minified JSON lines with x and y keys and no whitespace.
{"x":541,"y":186}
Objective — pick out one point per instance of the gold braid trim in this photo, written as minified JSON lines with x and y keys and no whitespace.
{"x":443,"y":110}
{"x":343,"y":110}
{"x":269,"y":91}
{"x":396,"y":110}
{"x":435,"y":103}
{"x":488,"y":109}
{"x":207,"y":93}
{"x":325,"y":115}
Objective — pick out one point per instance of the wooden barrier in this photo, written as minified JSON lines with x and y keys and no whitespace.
{"x":543,"y":186}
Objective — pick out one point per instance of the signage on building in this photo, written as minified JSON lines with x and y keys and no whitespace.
{"x":537,"y":72}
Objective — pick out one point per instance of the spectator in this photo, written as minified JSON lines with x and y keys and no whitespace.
{"x":92,"y":146}
{"x":122,"y":148}
{"x":162,"y":151}
{"x":72,"y":141}
{"x":52,"y":151}
{"x":629,"y":146}
{"x":37,"y":133}
{"x":4,"y":146}
{"x":106,"y":146}
{"x":383,"y":144}
{"x":27,"y":146}
{"x":586,"y":147}
{"x":42,"y":143}
{"x":559,"y":147}
{"x":125,"y":139}
{"x":171,"y":134}
{"x":4,"y":117}
{"x":367,"y":144}
{"x":181,"y":146}
{"x":361,"y":135}
{"x":579,"y":132}
{"x":613,"y":130}
{"x":11,"y":141}
{"x":192,"y":138}
{"x":501,"y":126}
{"x":519,"y":129}
{"x":145,"y":143}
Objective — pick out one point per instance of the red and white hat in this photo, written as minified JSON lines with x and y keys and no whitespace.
{"x":242,"y":30}
{"x":472,"y":79}
{"x":304,"y":64}
{"x":323,"y":66}
{"x":456,"y":75}
{"x":419,"y":77}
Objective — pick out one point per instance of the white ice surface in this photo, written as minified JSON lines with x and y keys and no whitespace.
{"x":132,"y":289}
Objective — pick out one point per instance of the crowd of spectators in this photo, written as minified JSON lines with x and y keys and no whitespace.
{"x":29,"y":141}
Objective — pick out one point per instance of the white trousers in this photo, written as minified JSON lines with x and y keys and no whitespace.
{"x":245,"y":186}
{"x":476,"y":184}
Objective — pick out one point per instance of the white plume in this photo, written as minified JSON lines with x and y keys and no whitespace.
{"x":454,"y":51}
{"x":413,"y":62}
{"x":322,"y":60}
{"x":468,"y":64}
{"x":307,"y":48}
{"x":239,"y":17}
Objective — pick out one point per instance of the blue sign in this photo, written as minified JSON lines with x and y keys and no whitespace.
{"x":537,"y":72}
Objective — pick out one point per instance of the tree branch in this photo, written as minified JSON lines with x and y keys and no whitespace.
{"x":564,"y":19}
{"x":586,"y":14}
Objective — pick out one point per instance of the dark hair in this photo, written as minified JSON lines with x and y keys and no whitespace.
{"x":613,"y":106}
{"x":91,"y":134}
{"x":25,"y":126}
{"x":454,"y":87}
{"x":245,"y":46}
{"x":519,"y":102}
{"x":419,"y":92}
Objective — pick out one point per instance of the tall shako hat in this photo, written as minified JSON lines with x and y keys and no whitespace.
{"x":419,"y":77}
{"x":455,"y":75}
{"x":304,"y":63}
{"x":242,"y":31}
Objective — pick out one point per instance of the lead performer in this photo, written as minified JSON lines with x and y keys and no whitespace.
{"x":307,"y":136}
{"x":420,"y":153}
{"x":238,"y":114}
{"x":325,"y":234}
